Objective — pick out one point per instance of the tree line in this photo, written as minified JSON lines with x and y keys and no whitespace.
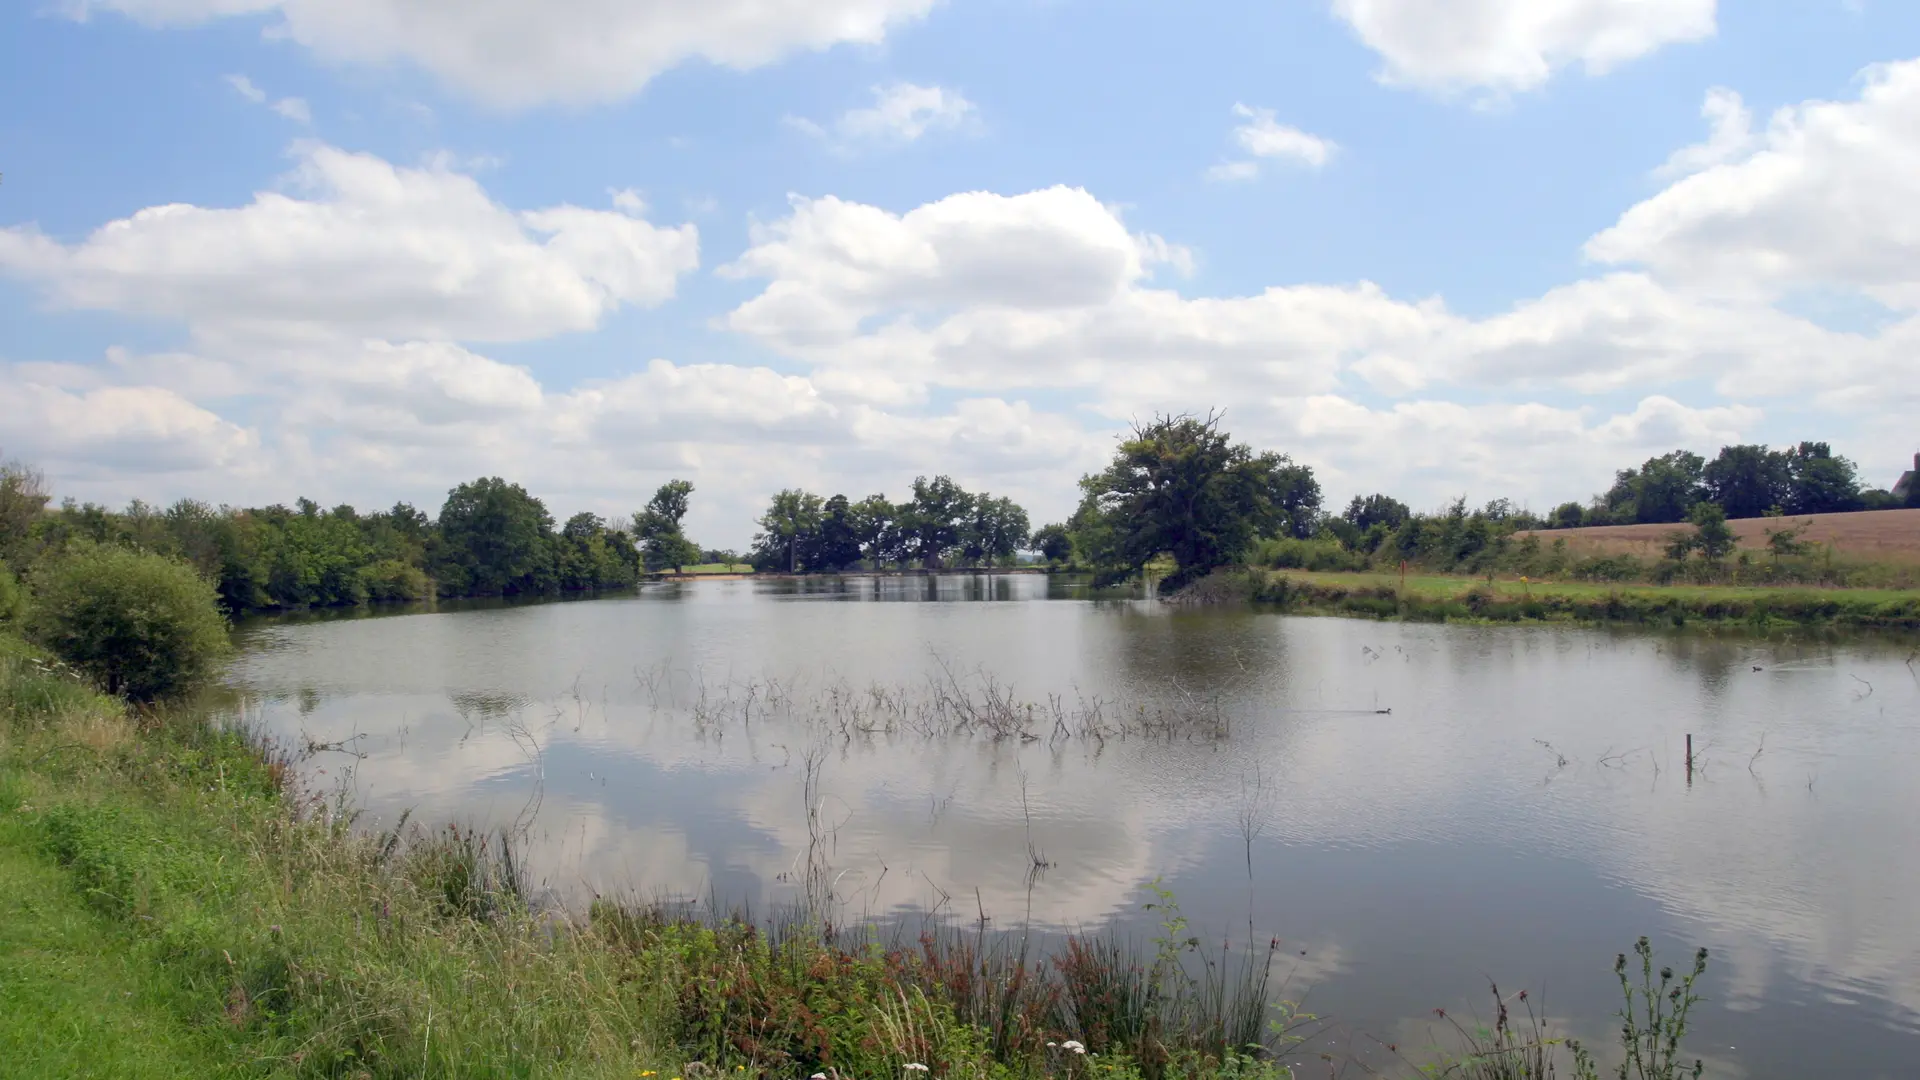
{"x":1746,"y":481}
{"x":940,"y":525}
{"x":490,"y":538}
{"x":1179,"y":493}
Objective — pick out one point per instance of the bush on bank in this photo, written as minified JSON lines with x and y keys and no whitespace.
{"x":143,"y":626}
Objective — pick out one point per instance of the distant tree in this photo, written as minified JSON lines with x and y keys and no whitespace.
{"x":1364,"y":514}
{"x":836,"y":544}
{"x":1712,"y":538}
{"x":933,"y":520}
{"x":1180,"y":485}
{"x":663,"y":544}
{"x":23,"y":501}
{"x":1747,"y":481}
{"x":1820,"y":482}
{"x":1661,"y":491}
{"x":875,"y":524}
{"x":1052,"y":543}
{"x":995,"y":529}
{"x":1568,"y":515}
{"x":1292,"y":496}
{"x":495,"y":539}
{"x":591,"y":556}
{"x":787,"y":529}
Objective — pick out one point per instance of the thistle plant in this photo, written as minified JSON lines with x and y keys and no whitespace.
{"x":1653,"y":1021}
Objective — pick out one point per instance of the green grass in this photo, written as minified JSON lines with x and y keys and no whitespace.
{"x":1441,"y":597}
{"x":74,"y":1000}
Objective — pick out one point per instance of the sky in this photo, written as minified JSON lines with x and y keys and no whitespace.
{"x":364,"y":250}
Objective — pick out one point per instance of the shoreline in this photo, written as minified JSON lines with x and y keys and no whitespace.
{"x":1436,"y":598}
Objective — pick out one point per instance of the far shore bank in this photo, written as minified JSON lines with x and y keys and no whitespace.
{"x":777,"y":575}
{"x":1440,"y":598}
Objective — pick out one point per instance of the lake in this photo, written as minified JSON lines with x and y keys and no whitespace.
{"x":1409,"y":808}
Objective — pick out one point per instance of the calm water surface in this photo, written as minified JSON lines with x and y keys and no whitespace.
{"x":1521,"y":812}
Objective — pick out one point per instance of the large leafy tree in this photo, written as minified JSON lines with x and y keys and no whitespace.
{"x":787,"y":530}
{"x":1748,"y":481}
{"x":1364,"y":514}
{"x":1053,"y":543}
{"x":1181,"y":486}
{"x":663,"y":543}
{"x":495,"y":538}
{"x":876,"y":528}
{"x":836,"y":545}
{"x":995,"y":529}
{"x":1820,"y":481}
{"x":591,"y":556}
{"x":1661,"y":491}
{"x":933,"y":521}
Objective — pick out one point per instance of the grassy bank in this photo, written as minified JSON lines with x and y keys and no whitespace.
{"x":1449,"y":598}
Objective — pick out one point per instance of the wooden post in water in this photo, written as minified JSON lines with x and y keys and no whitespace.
{"x":1689,"y":757}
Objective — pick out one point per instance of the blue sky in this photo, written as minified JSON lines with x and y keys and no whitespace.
{"x":1480,"y":247}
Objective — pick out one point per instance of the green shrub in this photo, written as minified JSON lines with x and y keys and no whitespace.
{"x":142,"y":625}
{"x":391,"y":579}
{"x":13,"y":598}
{"x":1318,"y":555}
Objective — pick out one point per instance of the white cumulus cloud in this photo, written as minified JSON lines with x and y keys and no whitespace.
{"x":373,"y":250}
{"x":511,"y":53}
{"x":1829,"y":195}
{"x":1513,"y":45}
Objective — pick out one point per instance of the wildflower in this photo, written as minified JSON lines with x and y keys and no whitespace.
{"x":1074,"y":1045}
{"x":914,"y":1066}
{"x":818,"y":1076}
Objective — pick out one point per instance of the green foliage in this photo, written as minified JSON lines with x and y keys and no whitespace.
{"x":1661,"y":491}
{"x":663,"y":545}
{"x":1747,"y":481}
{"x":1819,"y":482}
{"x":145,"y":626}
{"x":393,"y":580}
{"x":13,"y":598}
{"x":995,"y":529}
{"x":1714,"y":540}
{"x":589,"y":555}
{"x":1785,"y":542}
{"x":934,"y":521}
{"x":940,"y":525}
{"x":836,"y":545}
{"x":1653,"y":1021}
{"x":1278,"y":553}
{"x":23,"y":499}
{"x":1364,"y":514}
{"x":495,"y":539}
{"x":1052,"y":543}
{"x":791,"y":521}
{"x":1181,"y":486}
